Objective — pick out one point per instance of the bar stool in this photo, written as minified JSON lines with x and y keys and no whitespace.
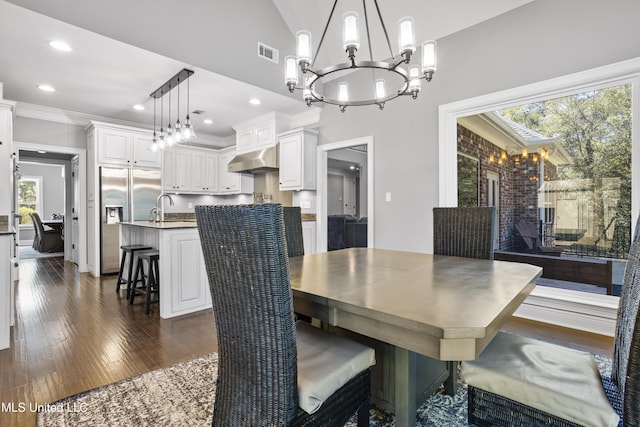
{"x":128,"y":249}
{"x":152,"y":284}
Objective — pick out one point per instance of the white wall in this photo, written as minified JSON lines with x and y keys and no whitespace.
{"x":538,"y":41}
{"x":49,"y":133}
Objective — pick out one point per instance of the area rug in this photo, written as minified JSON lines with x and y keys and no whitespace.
{"x":183,"y":395}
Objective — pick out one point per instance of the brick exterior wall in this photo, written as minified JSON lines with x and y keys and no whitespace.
{"x":518,"y":185}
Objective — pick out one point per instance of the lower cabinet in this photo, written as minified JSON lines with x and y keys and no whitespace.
{"x":184,"y":287}
{"x":309,"y":237}
{"x":185,"y":279}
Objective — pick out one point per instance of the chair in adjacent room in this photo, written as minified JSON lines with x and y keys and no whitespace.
{"x":272,"y":370}
{"x":293,"y":230}
{"x":529,"y":233}
{"x":523,"y":381}
{"x":464,"y":232}
{"x":45,"y":240}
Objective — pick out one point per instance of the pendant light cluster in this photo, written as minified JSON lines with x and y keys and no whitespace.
{"x":178,"y":133}
{"x":411,"y":78}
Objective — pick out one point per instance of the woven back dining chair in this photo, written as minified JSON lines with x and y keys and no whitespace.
{"x":464,"y":232}
{"x":522,"y":381}
{"x":293,"y":230}
{"x":271,"y":369}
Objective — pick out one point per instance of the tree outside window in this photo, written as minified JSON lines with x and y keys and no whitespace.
{"x":29,"y":197}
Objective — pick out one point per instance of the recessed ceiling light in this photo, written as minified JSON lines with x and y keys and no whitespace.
{"x":42,"y":152}
{"x":46,"y":88}
{"x":207,"y":121}
{"x":60,"y":45}
{"x":138,"y":107}
{"x":254,"y":101}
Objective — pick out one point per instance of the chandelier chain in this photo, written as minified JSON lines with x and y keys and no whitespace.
{"x":324,"y":32}
{"x":384,"y":28}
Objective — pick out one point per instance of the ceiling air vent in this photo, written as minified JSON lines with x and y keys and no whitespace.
{"x":197,"y":111}
{"x":267,"y":52}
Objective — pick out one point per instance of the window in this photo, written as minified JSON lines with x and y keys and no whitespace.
{"x":558,"y":306}
{"x":29,"y":197}
{"x":467,"y":181}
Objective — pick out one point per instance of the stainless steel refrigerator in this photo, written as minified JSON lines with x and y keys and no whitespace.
{"x":125,"y":195}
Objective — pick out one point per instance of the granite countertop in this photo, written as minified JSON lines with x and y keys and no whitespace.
{"x":164,"y":225}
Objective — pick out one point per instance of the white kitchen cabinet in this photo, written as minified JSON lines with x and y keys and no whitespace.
{"x":6,"y":284}
{"x":188,"y":285}
{"x":176,"y":170}
{"x":184,"y":287}
{"x":122,"y":146}
{"x":309,"y":237}
{"x":260,"y":132}
{"x":232,"y":182}
{"x":143,"y":155}
{"x":298,"y":159}
{"x":190,"y":170}
{"x":204,"y":171}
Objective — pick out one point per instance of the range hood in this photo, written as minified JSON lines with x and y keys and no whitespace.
{"x":256,"y":161}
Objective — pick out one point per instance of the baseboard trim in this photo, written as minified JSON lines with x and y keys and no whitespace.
{"x":571,"y":309}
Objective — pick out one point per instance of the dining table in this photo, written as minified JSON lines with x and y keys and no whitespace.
{"x":56,"y":224}
{"x":422,"y":313}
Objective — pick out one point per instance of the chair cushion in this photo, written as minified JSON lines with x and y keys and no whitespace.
{"x":326,"y":362}
{"x":554,"y":379}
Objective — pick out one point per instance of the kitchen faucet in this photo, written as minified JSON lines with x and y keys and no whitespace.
{"x":159,"y":213}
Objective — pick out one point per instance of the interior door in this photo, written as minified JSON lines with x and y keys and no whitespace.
{"x":75,"y":208}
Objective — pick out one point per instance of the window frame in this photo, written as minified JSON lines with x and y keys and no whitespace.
{"x":578,"y":310}
{"x":39,"y":195}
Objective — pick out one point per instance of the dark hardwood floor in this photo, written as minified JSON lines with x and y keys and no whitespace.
{"x":74,"y":333}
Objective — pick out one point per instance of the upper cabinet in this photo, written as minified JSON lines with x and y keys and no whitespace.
{"x":176,"y":170}
{"x":259,"y":132}
{"x":123,"y":146}
{"x":190,"y":170}
{"x":298,"y":159}
{"x":232,"y":182}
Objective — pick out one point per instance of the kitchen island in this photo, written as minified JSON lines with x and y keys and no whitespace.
{"x":184,"y":287}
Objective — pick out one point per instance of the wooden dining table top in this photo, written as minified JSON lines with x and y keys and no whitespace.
{"x":444,"y":307}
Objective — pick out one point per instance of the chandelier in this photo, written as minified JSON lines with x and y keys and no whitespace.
{"x":179,"y":133}
{"x":379,"y":94}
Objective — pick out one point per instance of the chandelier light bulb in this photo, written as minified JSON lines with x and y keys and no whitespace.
{"x":406,"y":38}
{"x":188,"y":132}
{"x":169,"y":139}
{"x":303,"y":48}
{"x":415,"y":84}
{"x":350,"y":33}
{"x":381,"y":91}
{"x":177,"y":135}
{"x":429,"y":58}
{"x":291,"y":73}
{"x":343,"y":92}
{"x":161,"y":142}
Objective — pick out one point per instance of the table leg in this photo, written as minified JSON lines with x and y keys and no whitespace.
{"x":405,"y":387}
{"x":451,"y":383}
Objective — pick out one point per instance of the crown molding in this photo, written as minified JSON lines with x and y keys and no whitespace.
{"x":40,"y":112}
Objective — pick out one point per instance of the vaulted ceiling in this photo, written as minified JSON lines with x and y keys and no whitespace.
{"x":123,"y":50}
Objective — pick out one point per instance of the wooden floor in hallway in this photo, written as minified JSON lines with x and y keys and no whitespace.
{"x":74,"y":333}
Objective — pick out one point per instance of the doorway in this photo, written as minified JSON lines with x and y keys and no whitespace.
{"x":75,"y":233}
{"x":365,"y":184}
